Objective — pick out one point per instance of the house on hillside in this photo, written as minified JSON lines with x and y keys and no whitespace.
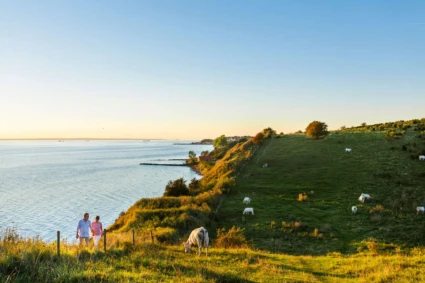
{"x":206,"y":158}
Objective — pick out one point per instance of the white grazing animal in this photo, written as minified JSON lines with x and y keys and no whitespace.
{"x":248,"y":210}
{"x":363,"y":197}
{"x":420,"y":209}
{"x":246,"y":200}
{"x":348,"y":150}
{"x":354,"y":209}
{"x":198,"y":237}
{"x":421,"y":157}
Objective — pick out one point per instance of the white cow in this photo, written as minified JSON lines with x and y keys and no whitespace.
{"x":246,"y":200}
{"x":198,"y":237}
{"x":265,"y":165}
{"x":364,"y":197}
{"x":348,"y":150}
{"x":354,"y":209}
{"x":248,"y":210}
{"x":421,"y":157}
{"x":420,"y":209}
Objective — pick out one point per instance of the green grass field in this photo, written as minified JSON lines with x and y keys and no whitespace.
{"x":333,"y":181}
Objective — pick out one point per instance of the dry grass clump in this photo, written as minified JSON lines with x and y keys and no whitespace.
{"x":234,"y":238}
{"x":316,"y":234}
{"x":297,"y":225}
{"x":302,"y":197}
{"x":378,"y":208}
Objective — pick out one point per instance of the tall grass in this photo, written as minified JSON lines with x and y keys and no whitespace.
{"x":29,"y":261}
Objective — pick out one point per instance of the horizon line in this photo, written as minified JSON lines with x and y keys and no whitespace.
{"x":19,"y":139}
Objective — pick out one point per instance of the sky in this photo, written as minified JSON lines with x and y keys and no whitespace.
{"x":200,"y":69}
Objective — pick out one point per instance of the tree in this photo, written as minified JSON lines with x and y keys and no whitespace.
{"x":363,"y":124}
{"x":176,"y":188}
{"x":268,"y":133}
{"x":192,"y":156}
{"x":258,"y":138}
{"x":342,"y":128}
{"x":316,"y":130}
{"x":205,"y":152}
{"x":194,"y":185}
{"x":220,"y":141}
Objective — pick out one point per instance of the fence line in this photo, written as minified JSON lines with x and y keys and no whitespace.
{"x":145,"y":237}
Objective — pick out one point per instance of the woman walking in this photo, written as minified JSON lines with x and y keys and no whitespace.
{"x":97,"y":231}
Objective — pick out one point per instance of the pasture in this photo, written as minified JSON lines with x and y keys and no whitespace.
{"x":303,"y":200}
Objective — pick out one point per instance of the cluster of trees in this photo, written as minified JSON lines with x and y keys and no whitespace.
{"x":178,"y":188}
{"x":415,"y":124}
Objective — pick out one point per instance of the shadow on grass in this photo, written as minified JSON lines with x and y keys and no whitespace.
{"x":208,"y":274}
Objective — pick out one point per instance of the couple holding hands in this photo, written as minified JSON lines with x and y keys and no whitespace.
{"x":85,"y":226}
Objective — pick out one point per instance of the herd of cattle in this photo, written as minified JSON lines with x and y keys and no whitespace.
{"x":199,"y":236}
{"x":362,"y":198}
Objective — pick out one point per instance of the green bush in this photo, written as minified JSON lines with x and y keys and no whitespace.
{"x":176,"y":188}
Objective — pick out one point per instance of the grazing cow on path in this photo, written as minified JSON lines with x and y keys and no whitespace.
{"x":246,"y":200}
{"x":248,"y":210}
{"x":348,"y":150}
{"x":354,"y":209}
{"x":420,"y":209}
{"x":421,"y":157}
{"x":198,"y":237}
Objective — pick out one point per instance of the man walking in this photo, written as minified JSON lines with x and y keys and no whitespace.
{"x":83,"y":229}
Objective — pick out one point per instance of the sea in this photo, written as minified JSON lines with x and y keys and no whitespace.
{"x":46,"y":186}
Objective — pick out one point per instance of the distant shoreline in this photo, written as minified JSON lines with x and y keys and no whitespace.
{"x":83,"y":139}
{"x":193,"y":143}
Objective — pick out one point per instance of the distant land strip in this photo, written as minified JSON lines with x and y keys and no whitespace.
{"x":191,"y":143}
{"x":165,"y":164}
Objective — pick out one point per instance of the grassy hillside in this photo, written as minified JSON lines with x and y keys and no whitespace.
{"x":174,"y":217}
{"x":332,"y":181}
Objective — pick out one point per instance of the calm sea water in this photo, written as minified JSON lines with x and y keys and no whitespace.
{"x":46,"y":186}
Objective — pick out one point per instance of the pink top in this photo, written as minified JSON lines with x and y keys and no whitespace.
{"x":97,"y":227}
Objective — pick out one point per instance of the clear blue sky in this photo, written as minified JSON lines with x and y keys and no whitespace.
{"x":199,"y":69}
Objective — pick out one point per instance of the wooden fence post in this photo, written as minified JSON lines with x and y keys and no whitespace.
{"x":59,"y":243}
{"x":104,"y":240}
{"x":151,"y":236}
{"x":133,"y":235}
